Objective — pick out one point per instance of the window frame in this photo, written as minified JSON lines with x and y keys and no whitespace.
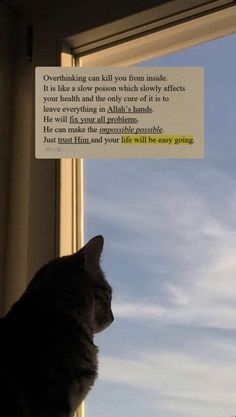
{"x":167,"y":14}
{"x":71,"y":212}
{"x":184,"y":33}
{"x":195,"y":22}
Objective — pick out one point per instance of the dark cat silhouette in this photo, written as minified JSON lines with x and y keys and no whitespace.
{"x":48,"y":361}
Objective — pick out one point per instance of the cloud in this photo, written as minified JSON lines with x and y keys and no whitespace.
{"x":204,"y":296}
{"x":181,"y":234}
{"x":138,"y":311}
{"x":200,"y":316}
{"x":177,"y":382}
{"x":174,"y":237}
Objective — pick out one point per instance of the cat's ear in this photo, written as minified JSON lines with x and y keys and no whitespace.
{"x":92,"y":253}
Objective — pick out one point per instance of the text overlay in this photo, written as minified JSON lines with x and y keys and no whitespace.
{"x":97,"y":112}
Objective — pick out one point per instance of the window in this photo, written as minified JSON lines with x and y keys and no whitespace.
{"x":169,"y":250}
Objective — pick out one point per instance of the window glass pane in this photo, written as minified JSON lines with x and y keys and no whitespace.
{"x":170,"y":244}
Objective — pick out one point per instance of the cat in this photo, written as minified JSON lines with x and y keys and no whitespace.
{"x":48,"y":361}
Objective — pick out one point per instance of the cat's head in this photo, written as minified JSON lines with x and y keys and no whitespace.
{"x":102,"y":291}
{"x":77,"y":282}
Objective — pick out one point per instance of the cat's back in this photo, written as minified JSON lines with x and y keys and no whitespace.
{"x":38,"y":340}
{"x":8,"y":401}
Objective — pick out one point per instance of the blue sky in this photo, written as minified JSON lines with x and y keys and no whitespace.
{"x":170,"y":243}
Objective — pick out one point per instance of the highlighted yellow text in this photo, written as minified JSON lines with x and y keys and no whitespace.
{"x":157,"y":140}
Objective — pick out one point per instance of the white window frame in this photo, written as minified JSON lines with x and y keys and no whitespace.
{"x":71,"y":223}
{"x":184,"y":33}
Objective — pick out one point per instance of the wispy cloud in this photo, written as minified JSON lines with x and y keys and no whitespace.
{"x":184,"y":238}
{"x":204,"y":295}
{"x":201,"y":316}
{"x":177,"y":382}
{"x":182,"y":242}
